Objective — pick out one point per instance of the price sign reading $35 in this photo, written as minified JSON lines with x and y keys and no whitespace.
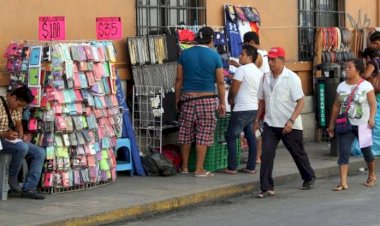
{"x":52,"y":28}
{"x":108,"y":28}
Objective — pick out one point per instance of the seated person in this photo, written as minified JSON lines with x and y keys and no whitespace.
{"x":11,"y":136}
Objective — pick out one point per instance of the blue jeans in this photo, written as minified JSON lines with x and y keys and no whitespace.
{"x":345,"y":142}
{"x":18,"y":151}
{"x":241,"y":121}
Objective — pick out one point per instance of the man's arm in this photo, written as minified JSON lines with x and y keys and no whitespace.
{"x":297,"y":111}
{"x":221,"y":91}
{"x":178,"y":84}
{"x":233,"y":91}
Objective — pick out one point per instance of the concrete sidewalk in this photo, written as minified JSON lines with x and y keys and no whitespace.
{"x":135,"y":196}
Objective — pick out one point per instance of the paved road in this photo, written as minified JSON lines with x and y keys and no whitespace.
{"x":290,"y":207}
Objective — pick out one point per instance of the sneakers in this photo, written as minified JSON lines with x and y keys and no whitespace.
{"x":265,"y":194}
{"x":307,"y":185}
{"x":32,"y":194}
{"x":14,"y":184}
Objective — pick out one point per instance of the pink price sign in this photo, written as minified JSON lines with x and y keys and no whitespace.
{"x":52,"y":28}
{"x":108,"y":28}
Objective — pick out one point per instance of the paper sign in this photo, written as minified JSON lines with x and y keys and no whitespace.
{"x":52,"y":28}
{"x":108,"y":28}
{"x":365,"y":136}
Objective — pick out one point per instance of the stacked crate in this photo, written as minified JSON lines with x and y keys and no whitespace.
{"x":216,"y":156}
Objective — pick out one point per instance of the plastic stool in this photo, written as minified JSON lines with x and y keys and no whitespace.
{"x":4,"y":172}
{"x":124,"y":165}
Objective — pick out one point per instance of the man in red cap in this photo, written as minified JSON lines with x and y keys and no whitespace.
{"x":282,"y":99}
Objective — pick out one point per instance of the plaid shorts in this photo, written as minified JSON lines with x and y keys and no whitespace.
{"x":197,"y":121}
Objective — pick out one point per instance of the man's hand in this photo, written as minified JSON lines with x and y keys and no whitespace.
{"x":222,"y":110}
{"x":11,"y":135}
{"x":233,"y":63}
{"x":288,"y":127}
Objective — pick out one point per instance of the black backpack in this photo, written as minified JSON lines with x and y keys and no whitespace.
{"x":156,"y":164}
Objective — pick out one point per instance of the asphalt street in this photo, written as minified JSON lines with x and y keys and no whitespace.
{"x":290,"y":206}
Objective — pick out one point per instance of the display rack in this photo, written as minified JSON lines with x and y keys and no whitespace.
{"x":147,"y":117}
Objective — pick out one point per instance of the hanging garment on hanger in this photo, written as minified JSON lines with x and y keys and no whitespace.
{"x":234,"y":38}
{"x":172,"y":45}
{"x":243,"y":27}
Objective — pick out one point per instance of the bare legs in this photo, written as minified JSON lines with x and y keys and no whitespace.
{"x":201,"y":155}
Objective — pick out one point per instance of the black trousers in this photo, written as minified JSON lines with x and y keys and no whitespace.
{"x":293,"y":141}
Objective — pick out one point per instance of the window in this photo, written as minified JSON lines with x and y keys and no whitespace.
{"x":314,"y":14}
{"x":153,"y":16}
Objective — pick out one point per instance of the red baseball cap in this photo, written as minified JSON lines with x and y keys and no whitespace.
{"x":276,"y":52}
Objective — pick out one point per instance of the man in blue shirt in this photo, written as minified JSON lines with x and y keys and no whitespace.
{"x":199,"y":68}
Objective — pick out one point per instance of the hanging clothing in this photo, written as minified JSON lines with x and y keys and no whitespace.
{"x":234,"y":39}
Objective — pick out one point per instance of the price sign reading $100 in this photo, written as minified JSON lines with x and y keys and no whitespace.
{"x":108,"y":28}
{"x":52,"y":28}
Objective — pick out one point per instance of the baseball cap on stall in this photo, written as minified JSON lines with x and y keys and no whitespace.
{"x":276,"y":52}
{"x":205,"y":35}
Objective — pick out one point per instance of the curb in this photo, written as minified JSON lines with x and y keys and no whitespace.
{"x":167,"y":205}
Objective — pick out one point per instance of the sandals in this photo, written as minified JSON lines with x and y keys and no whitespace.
{"x":205,"y":174}
{"x":265,"y":194}
{"x":371,"y":181}
{"x":228,"y":171}
{"x":183,"y":171}
{"x":340,"y":187}
{"x":245,"y":170}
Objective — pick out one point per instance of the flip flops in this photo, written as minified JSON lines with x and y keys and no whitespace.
{"x":228,"y":171}
{"x":205,"y":174}
{"x":184,"y":171}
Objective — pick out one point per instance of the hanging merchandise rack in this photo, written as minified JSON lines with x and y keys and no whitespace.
{"x":147,"y":117}
{"x":75,"y":115}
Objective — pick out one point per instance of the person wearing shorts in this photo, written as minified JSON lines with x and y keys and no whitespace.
{"x":199,"y":68}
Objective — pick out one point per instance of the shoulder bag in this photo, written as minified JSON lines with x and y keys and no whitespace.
{"x":342,"y":123}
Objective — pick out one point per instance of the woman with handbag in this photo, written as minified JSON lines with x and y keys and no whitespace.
{"x":354,"y":105}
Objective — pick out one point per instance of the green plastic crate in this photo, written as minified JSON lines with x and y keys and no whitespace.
{"x":221,"y":128}
{"x":216,"y":157}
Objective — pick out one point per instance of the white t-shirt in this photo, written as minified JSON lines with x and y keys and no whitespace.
{"x":359,"y":107}
{"x":265,"y":66}
{"x":246,"y":97}
{"x":281,"y":101}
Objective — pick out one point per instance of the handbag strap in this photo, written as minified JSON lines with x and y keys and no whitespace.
{"x":10,"y":121}
{"x":352,"y":94}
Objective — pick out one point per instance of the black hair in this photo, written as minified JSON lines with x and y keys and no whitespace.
{"x":251,"y":51}
{"x":375,"y":36}
{"x":205,"y":35}
{"x":23,"y":93}
{"x":370,"y":52}
{"x":359,"y":65}
{"x":251,"y":36}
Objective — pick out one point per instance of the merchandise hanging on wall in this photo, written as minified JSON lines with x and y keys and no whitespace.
{"x":239,"y":20}
{"x":332,"y":45}
{"x":75,"y":115}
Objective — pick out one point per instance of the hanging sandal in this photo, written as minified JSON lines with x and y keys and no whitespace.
{"x":371,"y":181}
{"x":340,"y":187}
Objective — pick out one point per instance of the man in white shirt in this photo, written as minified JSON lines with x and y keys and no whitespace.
{"x":281,"y":98}
{"x":243,"y":100}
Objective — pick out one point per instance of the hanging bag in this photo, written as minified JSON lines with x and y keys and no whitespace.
{"x":342,"y":123}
